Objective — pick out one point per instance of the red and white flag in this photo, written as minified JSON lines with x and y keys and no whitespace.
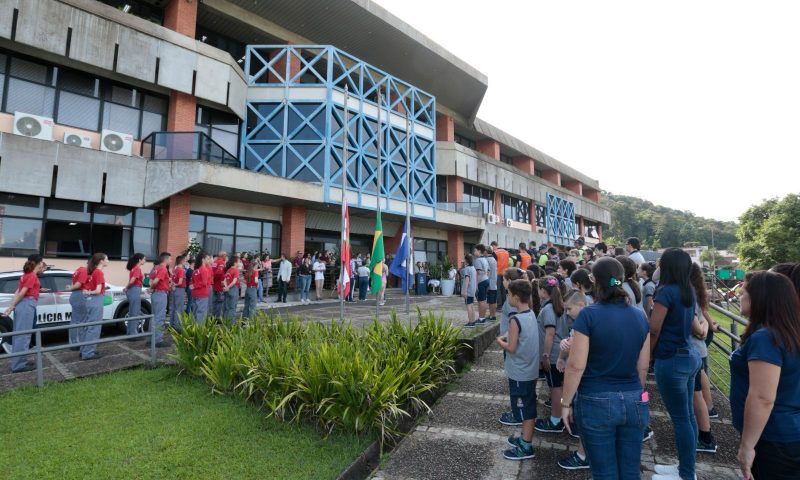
{"x":344,"y":278}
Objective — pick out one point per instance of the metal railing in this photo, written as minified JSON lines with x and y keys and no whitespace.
{"x":39,"y":350}
{"x":186,"y":146}
{"x":467,"y":208}
{"x":719,"y":373}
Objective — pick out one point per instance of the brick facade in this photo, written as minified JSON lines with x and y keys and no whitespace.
{"x":293,"y":230}
{"x":445,"y":128}
{"x":455,"y":189}
{"x":174,"y":226}
{"x":181,"y":16}
{"x":575,"y":186}
{"x":489,"y":147}
{"x":455,"y":246}
{"x":552,"y":176}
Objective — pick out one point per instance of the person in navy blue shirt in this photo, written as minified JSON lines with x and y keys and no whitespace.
{"x":676,"y":360}
{"x":607,"y":367}
{"x":765,"y":379}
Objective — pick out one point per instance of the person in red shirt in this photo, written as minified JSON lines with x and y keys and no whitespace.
{"x":133,"y":291}
{"x":251,"y":276}
{"x":178,"y":292}
{"x":94,"y":294}
{"x":201,"y":286}
{"x":24,"y":306}
{"x":159,"y":288}
{"x":218,"y":302}
{"x":77,"y":303}
{"x":230,"y":285}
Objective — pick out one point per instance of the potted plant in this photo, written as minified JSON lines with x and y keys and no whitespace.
{"x":448,"y":284}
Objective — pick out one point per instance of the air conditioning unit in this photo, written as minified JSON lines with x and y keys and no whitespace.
{"x":77,"y":140}
{"x":33,"y":126}
{"x":116,"y":142}
{"x":492,"y":218}
{"x":509,"y":222}
{"x":541,"y":229}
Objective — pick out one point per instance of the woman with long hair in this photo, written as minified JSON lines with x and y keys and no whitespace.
{"x":304,"y":273}
{"x":319,"y":276}
{"x":607,"y":368}
{"x":133,"y":290}
{"x":230,"y":285}
{"x":251,"y":281}
{"x":159,"y":292}
{"x":582,"y":281}
{"x":700,"y":327}
{"x":202,"y":278}
{"x":631,"y":283}
{"x":77,"y":303}
{"x":790,"y":270}
{"x":765,"y":379}
{"x":24,"y":307}
{"x":677,"y":362}
{"x":94,"y":291}
{"x":552,"y":329}
{"x":178,"y":285}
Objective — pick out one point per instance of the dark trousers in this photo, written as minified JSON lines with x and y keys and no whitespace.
{"x":778,"y":461}
{"x":283,"y":288}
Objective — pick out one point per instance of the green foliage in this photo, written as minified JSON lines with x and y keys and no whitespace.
{"x":662,"y":227}
{"x":359,"y":380}
{"x":711,"y":256}
{"x":769,"y":233}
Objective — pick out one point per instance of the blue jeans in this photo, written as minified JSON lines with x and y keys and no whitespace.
{"x":304,"y":284}
{"x":134,"y":296}
{"x":675,"y":379}
{"x":611,"y":426}
{"x":158,"y":301}
{"x":260,"y":290}
{"x":363,"y":286}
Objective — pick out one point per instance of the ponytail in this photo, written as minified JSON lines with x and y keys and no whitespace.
{"x":94,"y":262}
{"x":553,"y":286}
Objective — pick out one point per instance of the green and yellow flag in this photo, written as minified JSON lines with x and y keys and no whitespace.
{"x":376,"y":262}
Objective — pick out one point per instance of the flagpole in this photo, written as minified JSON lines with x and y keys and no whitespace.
{"x":408,"y":212}
{"x":380,"y":149}
{"x":343,"y":270}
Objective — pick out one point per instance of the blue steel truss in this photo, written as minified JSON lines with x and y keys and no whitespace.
{"x":295,"y":127}
{"x":560,"y":220}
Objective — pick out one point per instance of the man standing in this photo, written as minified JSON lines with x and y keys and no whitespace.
{"x":218,"y":270}
{"x":298,"y":258}
{"x":159,"y":288}
{"x":491,"y":297}
{"x":632,"y":246}
{"x":482,"y":269}
{"x":284,"y":275}
{"x":543,"y":257}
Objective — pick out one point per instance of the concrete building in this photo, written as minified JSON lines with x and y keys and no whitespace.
{"x":135,"y":125}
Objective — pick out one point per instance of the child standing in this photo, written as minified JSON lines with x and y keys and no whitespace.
{"x":521,"y":367}
{"x":553,"y":327}
{"x":511,"y":274}
{"x":468,"y":289}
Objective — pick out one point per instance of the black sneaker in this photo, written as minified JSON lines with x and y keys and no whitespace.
{"x":548,"y":403}
{"x":519,"y":453}
{"x":574,"y":462}
{"x":492,"y":319}
{"x":96,"y":356}
{"x":546,"y":425}
{"x":507,"y":418}
{"x":514,"y":441}
{"x":707,"y":447}
{"x":574,"y":432}
{"x":648,"y":434}
{"x":481,"y":321}
{"x":26,"y":368}
{"x":713,"y":413}
{"x":469,"y":325}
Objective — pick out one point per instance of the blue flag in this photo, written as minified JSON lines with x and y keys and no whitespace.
{"x":401,"y":262}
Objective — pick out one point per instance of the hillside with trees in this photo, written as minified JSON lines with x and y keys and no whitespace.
{"x":660,"y":227}
{"x":769,"y":233}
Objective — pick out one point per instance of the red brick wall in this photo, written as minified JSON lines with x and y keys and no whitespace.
{"x":489,"y":147}
{"x":181,"y":16}
{"x":173,"y":235}
{"x":293,"y":230}
{"x":600,"y":231}
{"x":455,"y":246}
{"x":455,"y":189}
{"x":524,"y":163}
{"x":552,"y":176}
{"x":592,"y":194}
{"x":182,"y":111}
{"x":390,"y":244}
{"x":575,"y":186}
{"x":445,"y":128}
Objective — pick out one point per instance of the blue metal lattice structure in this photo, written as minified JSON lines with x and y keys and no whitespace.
{"x":560,"y":220}
{"x":295,"y":127}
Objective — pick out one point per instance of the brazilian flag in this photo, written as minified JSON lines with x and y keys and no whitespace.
{"x":376,"y":262}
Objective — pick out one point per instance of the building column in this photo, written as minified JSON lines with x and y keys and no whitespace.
{"x":591,"y":194}
{"x":524,"y":163}
{"x":552,"y":176}
{"x":574,"y":186}
{"x":600,"y":231}
{"x":581,"y":226}
{"x":489,"y":147}
{"x":293,"y":231}
{"x":181,"y":16}
{"x":445,"y":128}
{"x":455,"y":189}
{"x":455,"y":246}
{"x":173,"y":232}
{"x":498,"y":205}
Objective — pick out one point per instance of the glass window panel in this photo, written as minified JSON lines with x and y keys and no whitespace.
{"x":419,"y":244}
{"x":121,"y":119}
{"x":28,"y":70}
{"x":121,"y":95}
{"x":430,"y":245}
{"x":21,"y":205}
{"x":78,"y":110}
{"x":113,"y":240}
{"x":273,"y":247}
{"x":228,"y":141}
{"x":145,"y":217}
{"x":68,"y":210}
{"x":216,"y":242}
{"x":20,"y":237}
{"x":113,"y":215}
{"x":155,"y":104}
{"x":197,"y":223}
{"x":2,"y":84}
{"x":24,"y":96}
{"x":63,"y":239}
{"x":272,"y":230}
{"x":248,"y":244}
{"x":145,"y":240}
{"x":151,"y":122}
{"x":219,"y":225}
{"x":3,"y":59}
{"x":77,"y":82}
{"x":250,"y":228}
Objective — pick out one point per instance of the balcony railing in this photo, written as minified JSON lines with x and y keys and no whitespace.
{"x":186,"y":146}
{"x":467,"y":208}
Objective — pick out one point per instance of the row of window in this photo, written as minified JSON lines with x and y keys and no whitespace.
{"x":430,"y":251}
{"x":215,"y":233}
{"x":65,"y":228}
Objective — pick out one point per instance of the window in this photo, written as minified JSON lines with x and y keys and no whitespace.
{"x":506,"y":159}
{"x":475,"y":194}
{"x":235,"y":48}
{"x":461,"y":140}
{"x":429,"y":250}
{"x":222,"y":127}
{"x":139,"y":8}
{"x":591,"y":229}
{"x":516,"y":209}
{"x":541,"y":216}
{"x":217,"y":233}
{"x":441,"y":188}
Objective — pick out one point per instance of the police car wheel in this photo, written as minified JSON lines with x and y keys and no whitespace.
{"x":123,"y":313}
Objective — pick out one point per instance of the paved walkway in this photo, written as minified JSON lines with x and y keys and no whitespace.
{"x":461,"y":438}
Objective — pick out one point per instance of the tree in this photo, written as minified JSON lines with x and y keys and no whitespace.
{"x":711,"y":256}
{"x":769,"y":233}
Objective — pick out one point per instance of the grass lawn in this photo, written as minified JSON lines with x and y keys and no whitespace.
{"x":718,"y":361}
{"x":142,"y":424}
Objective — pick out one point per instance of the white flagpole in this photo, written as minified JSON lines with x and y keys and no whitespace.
{"x":343,"y":271}
{"x":380,"y":148}
{"x":408,"y":212}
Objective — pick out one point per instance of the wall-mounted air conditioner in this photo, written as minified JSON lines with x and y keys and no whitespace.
{"x":76,"y":139}
{"x":509,"y":222}
{"x":492,"y":218}
{"x":33,"y":126}
{"x":116,"y":142}
{"x":541,"y":229}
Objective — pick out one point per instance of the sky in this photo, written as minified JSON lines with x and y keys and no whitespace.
{"x":693,"y":105}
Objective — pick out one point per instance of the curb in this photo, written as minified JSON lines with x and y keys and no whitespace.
{"x":469,"y":350}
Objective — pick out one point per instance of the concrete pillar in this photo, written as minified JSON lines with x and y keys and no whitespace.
{"x":592,"y":194}
{"x":455,"y":246}
{"x":498,"y":205}
{"x":455,"y":189}
{"x":552,"y":176}
{"x":524,"y":163}
{"x":181,"y":16}
{"x":581,"y":225}
{"x":490,"y":147}
{"x":532,"y":207}
{"x":173,"y":234}
{"x":445,"y":128}
{"x":575,"y":186}
{"x":600,"y":231}
{"x":293,"y":230}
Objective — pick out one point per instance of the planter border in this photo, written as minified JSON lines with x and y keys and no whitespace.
{"x":470,"y":349}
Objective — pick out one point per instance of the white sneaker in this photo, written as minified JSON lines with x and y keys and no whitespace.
{"x":666,"y":469}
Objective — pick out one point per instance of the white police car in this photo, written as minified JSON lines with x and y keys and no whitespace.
{"x":53,"y":307}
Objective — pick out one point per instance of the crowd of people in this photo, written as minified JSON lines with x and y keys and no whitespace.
{"x":593,"y":323}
